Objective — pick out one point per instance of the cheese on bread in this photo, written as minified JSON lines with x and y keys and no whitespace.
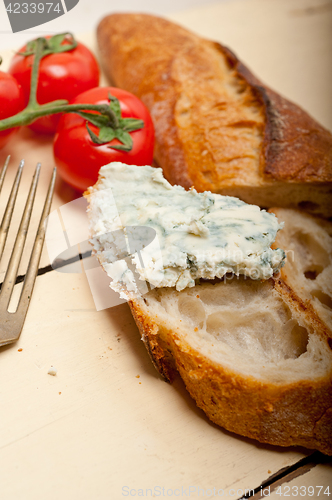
{"x":198,"y":235}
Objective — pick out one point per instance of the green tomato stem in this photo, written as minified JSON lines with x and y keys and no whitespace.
{"x":32,"y":112}
{"x":34,"y":73}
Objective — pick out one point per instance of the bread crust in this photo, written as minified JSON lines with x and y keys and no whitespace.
{"x":295,"y":146}
{"x":292,"y":414}
{"x":307,"y":241}
{"x":218,"y":128}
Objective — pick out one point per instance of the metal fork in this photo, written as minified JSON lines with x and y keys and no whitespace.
{"x":11,"y":323}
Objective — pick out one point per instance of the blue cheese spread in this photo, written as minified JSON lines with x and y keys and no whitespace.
{"x":195,"y":235}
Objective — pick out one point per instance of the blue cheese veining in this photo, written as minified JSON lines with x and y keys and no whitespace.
{"x":197,"y":235}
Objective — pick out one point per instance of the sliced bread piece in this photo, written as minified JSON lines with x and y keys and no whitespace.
{"x":218,"y":128}
{"x":254,"y":357}
{"x":308,"y":268}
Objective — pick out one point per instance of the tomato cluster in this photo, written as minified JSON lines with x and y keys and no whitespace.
{"x":80,"y":147}
{"x":61,"y":76}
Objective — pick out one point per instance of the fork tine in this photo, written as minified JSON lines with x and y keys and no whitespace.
{"x":10,"y":204}
{"x":3,"y":172}
{"x":32,"y":270}
{"x":15,"y":259}
{"x":12,"y":323}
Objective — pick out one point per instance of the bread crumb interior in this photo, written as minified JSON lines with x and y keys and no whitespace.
{"x":241,"y":322}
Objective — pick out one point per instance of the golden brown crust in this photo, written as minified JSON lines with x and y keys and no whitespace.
{"x":293,"y":414}
{"x":160,"y":356}
{"x":295,"y":147}
{"x":217,"y":126}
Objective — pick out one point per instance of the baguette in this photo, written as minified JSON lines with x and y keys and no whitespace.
{"x":218,"y":128}
{"x":255,"y":356}
{"x":252,"y":355}
{"x":308,"y":267}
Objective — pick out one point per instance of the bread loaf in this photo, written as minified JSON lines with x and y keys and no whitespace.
{"x":254,"y":357}
{"x":218,"y":127}
{"x":308,"y":267}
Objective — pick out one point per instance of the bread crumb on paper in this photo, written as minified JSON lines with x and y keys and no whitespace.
{"x":52,"y":371}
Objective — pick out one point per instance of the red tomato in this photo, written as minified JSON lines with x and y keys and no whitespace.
{"x":11,"y":102}
{"x":78,"y":159}
{"x":61,"y":76}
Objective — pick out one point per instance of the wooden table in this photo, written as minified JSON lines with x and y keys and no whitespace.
{"x":106,"y":426}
